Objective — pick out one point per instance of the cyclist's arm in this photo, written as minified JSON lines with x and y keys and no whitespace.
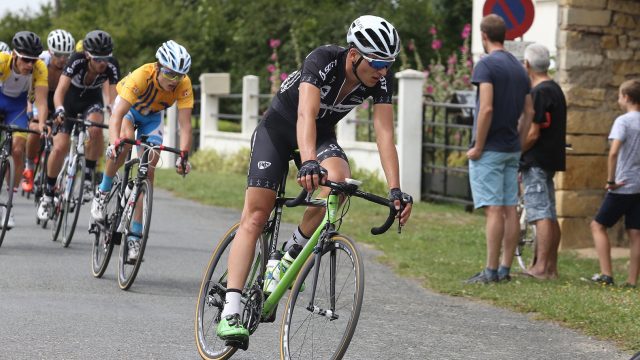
{"x":383,"y":125}
{"x":308,"y":108}
{"x":109,"y":94}
{"x":61,"y":91}
{"x":184,"y":121}
{"x":41,"y":93}
{"x":120,"y":109}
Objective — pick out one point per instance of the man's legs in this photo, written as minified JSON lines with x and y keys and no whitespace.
{"x":495,"y":231}
{"x":603,"y":247}
{"x":545,"y":240}
{"x":510,"y":238}
{"x":33,"y":146}
{"x":634,"y":249}
{"x":17,"y":151}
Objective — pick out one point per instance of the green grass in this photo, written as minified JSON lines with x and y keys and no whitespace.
{"x":442,"y":245}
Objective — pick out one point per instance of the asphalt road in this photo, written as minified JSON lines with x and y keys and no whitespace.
{"x":52,"y":308}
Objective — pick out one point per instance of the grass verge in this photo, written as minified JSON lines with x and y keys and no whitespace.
{"x":442,"y":245}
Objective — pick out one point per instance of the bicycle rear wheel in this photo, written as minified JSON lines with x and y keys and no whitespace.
{"x":212,"y":293}
{"x":104,"y":233}
{"x":73,"y":203}
{"x":325,"y":331}
{"x":527,"y":244}
{"x":127,"y":270}
{"x":58,"y":206}
{"x":7,"y":176}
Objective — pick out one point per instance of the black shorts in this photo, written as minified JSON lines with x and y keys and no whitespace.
{"x":274,"y":143}
{"x":83,"y":102}
{"x":616,"y":205}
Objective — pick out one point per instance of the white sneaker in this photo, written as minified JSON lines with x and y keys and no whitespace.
{"x":87,"y":194}
{"x":44,"y":207}
{"x":98,"y":204}
{"x":11,"y":223}
{"x":134,"y":248}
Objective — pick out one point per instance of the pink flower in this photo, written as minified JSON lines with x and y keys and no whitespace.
{"x":452,"y":59}
{"x":426,"y":73}
{"x":436,"y":44}
{"x":365,"y":105}
{"x":272,"y":78}
{"x":464,"y":49}
{"x":466,"y":80}
{"x":451,"y":70}
{"x":433,"y":31}
{"x":469,"y":63}
{"x":429,"y":89}
{"x":274,"y":56}
{"x":411,"y":46}
{"x":466,"y":31}
{"x":283,"y":76}
{"x":274,"y":43}
{"x":271,"y":68}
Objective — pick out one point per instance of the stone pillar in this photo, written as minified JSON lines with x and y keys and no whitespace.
{"x":211,"y":85}
{"x":598,"y":48}
{"x":250,"y":103}
{"x":409,"y":130}
{"x":347,"y":127}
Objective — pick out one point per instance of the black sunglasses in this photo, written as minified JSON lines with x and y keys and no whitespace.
{"x":28,"y":60}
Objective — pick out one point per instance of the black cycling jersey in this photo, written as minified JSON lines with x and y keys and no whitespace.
{"x":324,"y":68}
{"x":78,"y":66}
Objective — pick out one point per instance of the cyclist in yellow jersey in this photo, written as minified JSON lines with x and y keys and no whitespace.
{"x":20,"y":71}
{"x":141,"y":96}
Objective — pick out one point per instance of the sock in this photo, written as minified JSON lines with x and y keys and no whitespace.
{"x":503,"y":271}
{"x":136,"y":228}
{"x":29,"y":164}
{"x":296,"y":238}
{"x":88,"y":170}
{"x":231,"y":302}
{"x":107,"y":183}
{"x":493,"y":273}
{"x":51,"y":183}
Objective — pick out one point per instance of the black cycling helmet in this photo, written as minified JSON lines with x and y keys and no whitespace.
{"x":27,"y":43}
{"x":98,"y":43}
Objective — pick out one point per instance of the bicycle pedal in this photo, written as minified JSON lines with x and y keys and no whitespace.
{"x":244,"y":345}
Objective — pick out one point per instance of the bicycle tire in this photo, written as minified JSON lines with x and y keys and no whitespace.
{"x":6,"y":193}
{"x":127,"y":272}
{"x":39,"y":182}
{"x":103,"y":240}
{"x":527,"y":244}
{"x":211,"y":295}
{"x":73,"y":203}
{"x":58,"y":204}
{"x":317,"y":331}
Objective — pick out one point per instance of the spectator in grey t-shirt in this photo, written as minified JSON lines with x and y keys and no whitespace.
{"x":623,"y":187}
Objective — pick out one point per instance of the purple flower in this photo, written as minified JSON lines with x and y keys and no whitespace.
{"x":271,"y":68}
{"x":283,"y":76}
{"x":274,"y":43}
{"x":433,"y":31}
{"x":429,"y":89}
{"x":466,"y":31}
{"x":436,"y":44}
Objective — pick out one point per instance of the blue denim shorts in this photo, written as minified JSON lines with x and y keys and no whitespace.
{"x":539,"y":194}
{"x":494,"y":179}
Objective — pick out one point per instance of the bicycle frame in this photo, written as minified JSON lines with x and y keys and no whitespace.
{"x":76,"y":150}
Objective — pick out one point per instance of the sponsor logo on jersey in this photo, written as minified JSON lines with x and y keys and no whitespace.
{"x":289,"y":81}
{"x":263,"y":165}
{"x":383,"y":83}
{"x":324,"y":91}
{"x":323,"y":72}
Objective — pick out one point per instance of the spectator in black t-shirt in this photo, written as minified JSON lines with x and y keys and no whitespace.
{"x":543,"y":155}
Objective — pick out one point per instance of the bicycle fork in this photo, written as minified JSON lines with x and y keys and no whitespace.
{"x":127,"y":213}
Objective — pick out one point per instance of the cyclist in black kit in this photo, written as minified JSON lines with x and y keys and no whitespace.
{"x":80,"y":91}
{"x":333,"y":80}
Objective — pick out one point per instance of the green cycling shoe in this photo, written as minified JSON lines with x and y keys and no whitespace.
{"x":231,"y":329}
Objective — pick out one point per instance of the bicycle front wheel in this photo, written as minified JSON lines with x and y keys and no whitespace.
{"x":104,"y":233}
{"x":7,"y":174}
{"x":212,"y":294}
{"x":57,"y":211}
{"x":323,"y":328}
{"x":73,"y":202}
{"x":39,"y":183}
{"x":128,"y":269}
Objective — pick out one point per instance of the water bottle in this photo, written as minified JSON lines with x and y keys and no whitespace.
{"x":272,"y":264}
{"x":285,"y":263}
{"x":127,"y":192}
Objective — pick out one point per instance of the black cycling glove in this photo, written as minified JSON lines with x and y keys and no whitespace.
{"x":311,"y":167}
{"x":397,"y":194}
{"x":58,"y":113}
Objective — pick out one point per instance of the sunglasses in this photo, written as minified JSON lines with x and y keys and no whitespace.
{"x":378,"y":64}
{"x":171,"y":75}
{"x":27,"y":59}
{"x":99,"y":59}
{"x":60,"y":55}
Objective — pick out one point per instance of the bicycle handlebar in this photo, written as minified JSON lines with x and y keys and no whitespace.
{"x":13,"y":128}
{"x":150,"y":146}
{"x":86,"y":122}
{"x":351,"y":190}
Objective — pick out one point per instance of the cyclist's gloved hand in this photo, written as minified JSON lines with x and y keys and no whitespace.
{"x":113,"y":150}
{"x":403,"y":202}
{"x":310,"y":174}
{"x":58,"y":115}
{"x":183,"y":159}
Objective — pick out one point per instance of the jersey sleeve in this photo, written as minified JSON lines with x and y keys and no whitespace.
{"x":384,"y":90}
{"x":40,"y":74}
{"x":114,"y":71}
{"x":184,"y":93}
{"x":313,"y":66}
{"x":73,"y":65}
{"x":132,"y":86}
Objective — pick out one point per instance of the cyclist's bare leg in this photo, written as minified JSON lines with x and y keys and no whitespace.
{"x":511,"y":233}
{"x":95,"y":145}
{"x":634,"y":261}
{"x":33,"y":142}
{"x":545,"y":234}
{"x":111,"y":166}
{"x":58,"y":153}
{"x":258,"y":204}
{"x":18,"y":150}
{"x":338,"y":170}
{"x":603,"y":247}
{"x":154,"y":156}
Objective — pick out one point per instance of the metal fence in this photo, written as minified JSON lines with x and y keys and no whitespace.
{"x":446,"y":138}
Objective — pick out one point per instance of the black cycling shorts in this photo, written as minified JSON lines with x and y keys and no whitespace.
{"x":615,"y":206}
{"x":83,"y":102}
{"x":274,"y":143}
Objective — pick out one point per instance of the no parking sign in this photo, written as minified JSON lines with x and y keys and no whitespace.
{"x":517,"y":14}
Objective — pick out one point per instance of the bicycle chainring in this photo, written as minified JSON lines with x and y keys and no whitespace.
{"x":253,"y":308}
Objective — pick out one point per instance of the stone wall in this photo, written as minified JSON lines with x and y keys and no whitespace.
{"x":598,"y":48}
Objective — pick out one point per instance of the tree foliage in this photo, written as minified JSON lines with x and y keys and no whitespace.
{"x":233,"y":36}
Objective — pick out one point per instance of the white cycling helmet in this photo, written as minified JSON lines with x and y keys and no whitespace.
{"x":174,"y":56}
{"x":373,"y":35}
{"x":61,"y":41}
{"x":4,"y":47}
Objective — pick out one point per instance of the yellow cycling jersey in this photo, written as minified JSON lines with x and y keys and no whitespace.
{"x":13,"y":84}
{"x":141,"y":89}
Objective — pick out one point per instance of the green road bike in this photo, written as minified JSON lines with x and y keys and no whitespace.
{"x":319,"y":322}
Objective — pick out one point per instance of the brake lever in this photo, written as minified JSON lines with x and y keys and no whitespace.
{"x":399,"y":215}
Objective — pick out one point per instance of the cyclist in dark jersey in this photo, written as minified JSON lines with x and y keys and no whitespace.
{"x":333,"y":80}
{"x":80,"y":91}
